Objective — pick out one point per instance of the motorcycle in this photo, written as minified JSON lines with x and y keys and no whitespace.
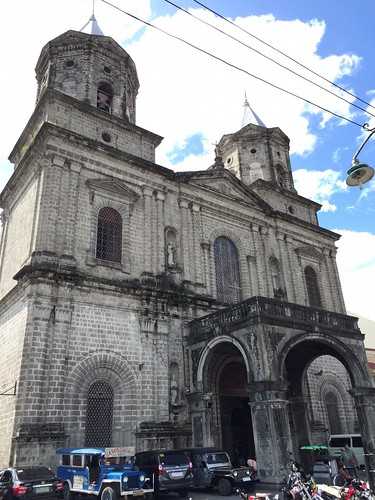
{"x":356,"y":490}
{"x":298,"y":486}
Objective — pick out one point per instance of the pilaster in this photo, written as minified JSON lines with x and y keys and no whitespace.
{"x":147,"y":230}
{"x":186,"y":233}
{"x":160,"y":240}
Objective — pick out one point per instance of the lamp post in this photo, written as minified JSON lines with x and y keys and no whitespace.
{"x":360,"y":173}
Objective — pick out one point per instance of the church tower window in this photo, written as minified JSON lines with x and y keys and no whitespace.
{"x":227,"y":270}
{"x":104,"y":97}
{"x":109,"y":235}
{"x":312,"y":286}
{"x":99,"y":415}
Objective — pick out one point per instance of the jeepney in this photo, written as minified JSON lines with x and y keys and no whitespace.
{"x":108,"y":473}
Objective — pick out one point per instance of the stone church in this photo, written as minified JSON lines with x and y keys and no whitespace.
{"x":145,"y":307}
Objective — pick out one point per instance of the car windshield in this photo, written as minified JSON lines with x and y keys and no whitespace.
{"x":34,"y":473}
{"x":217,"y":458}
{"x":118,"y":462}
{"x":173,"y":459}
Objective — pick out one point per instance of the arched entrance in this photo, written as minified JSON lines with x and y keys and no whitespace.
{"x":226,"y":388}
{"x":320,"y":374}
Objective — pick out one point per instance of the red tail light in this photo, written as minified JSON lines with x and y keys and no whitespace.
{"x":19,"y":490}
{"x":161,"y":470}
{"x":190,"y":466}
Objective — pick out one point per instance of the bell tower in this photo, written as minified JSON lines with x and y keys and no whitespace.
{"x":258,"y":152}
{"x":91,"y":68}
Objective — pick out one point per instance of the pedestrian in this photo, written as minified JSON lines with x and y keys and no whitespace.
{"x":349,"y":460}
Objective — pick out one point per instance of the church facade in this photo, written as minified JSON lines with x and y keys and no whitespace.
{"x":144,"y":307}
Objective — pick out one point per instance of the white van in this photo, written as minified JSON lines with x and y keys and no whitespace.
{"x":338,"y":441}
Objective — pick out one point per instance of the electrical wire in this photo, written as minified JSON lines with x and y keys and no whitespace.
{"x":267,"y":57}
{"x":231,"y":65}
{"x":282,"y":53}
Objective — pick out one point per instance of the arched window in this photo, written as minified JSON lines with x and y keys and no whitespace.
{"x":332,"y":407}
{"x":104,"y":97}
{"x":277,"y":284}
{"x":312,"y":287}
{"x":99,"y":415}
{"x":227,"y":270}
{"x":109,"y":235}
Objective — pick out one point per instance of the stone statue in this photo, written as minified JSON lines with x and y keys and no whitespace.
{"x":171,"y":255}
{"x":173,"y":391}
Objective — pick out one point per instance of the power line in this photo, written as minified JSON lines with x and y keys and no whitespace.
{"x":282,"y":53}
{"x":267,"y":57}
{"x":231,"y":65}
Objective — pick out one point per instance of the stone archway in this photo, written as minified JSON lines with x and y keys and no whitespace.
{"x":295,"y":358}
{"x":224,"y":376}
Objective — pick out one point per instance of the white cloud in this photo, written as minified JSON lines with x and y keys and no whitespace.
{"x":319,"y":185}
{"x":356,"y":263}
{"x":184,"y":92}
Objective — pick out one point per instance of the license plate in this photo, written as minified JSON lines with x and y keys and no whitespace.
{"x":248,"y":478}
{"x":42,"y":489}
{"x":138,"y":494}
{"x":177,"y":474}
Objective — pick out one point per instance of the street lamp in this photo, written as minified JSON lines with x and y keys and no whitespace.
{"x":360,"y":173}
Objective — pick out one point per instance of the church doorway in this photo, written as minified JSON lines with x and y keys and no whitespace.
{"x":226,"y":378}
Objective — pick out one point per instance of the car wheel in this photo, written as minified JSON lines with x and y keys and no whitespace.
{"x":108,"y":493}
{"x":224,"y":486}
{"x":183,"y":493}
{"x":67,"y":494}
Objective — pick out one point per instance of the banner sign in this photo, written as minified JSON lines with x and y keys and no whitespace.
{"x":124,"y":451}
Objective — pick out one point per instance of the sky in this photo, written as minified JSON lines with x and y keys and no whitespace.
{"x":193,"y":100}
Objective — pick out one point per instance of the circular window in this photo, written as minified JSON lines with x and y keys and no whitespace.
{"x":229,"y":160}
{"x":107,"y":69}
{"x":69,"y":63}
{"x":291,"y":209}
{"x":253,"y":151}
{"x":106,"y":137}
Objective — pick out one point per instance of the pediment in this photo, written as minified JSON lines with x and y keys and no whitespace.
{"x":229,"y":186}
{"x":310,"y":252}
{"x":114,"y":187}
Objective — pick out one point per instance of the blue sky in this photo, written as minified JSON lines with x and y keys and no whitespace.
{"x":192,"y":101}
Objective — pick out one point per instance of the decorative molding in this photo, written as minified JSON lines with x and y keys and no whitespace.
{"x":310,"y":252}
{"x":113,"y":186}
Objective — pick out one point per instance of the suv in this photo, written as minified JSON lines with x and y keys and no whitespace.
{"x":28,"y":482}
{"x":212,"y":468}
{"x":105,"y":472}
{"x":172,"y":470}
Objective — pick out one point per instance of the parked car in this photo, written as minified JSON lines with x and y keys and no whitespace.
{"x":337,"y":442}
{"x":172,"y":470}
{"x":28,"y":483}
{"x":108,"y":473}
{"x":212,"y":468}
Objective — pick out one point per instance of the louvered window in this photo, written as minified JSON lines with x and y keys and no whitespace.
{"x":104,"y":97}
{"x":227,"y":271}
{"x":109,"y":236}
{"x":99,"y":415}
{"x":312,"y":287}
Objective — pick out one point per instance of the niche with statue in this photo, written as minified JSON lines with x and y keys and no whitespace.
{"x":171,"y":249}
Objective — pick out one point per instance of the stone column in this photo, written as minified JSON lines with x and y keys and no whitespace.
{"x":253,"y":278}
{"x":71,"y":218}
{"x":147,"y":228}
{"x":197,"y":238}
{"x":273,"y":443}
{"x":364,"y":399}
{"x":48,"y":223}
{"x":186,"y":231}
{"x":207,"y":269}
{"x":286,"y":269}
{"x":261,"y":269}
{"x":160,"y":239}
{"x":336,"y":279}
